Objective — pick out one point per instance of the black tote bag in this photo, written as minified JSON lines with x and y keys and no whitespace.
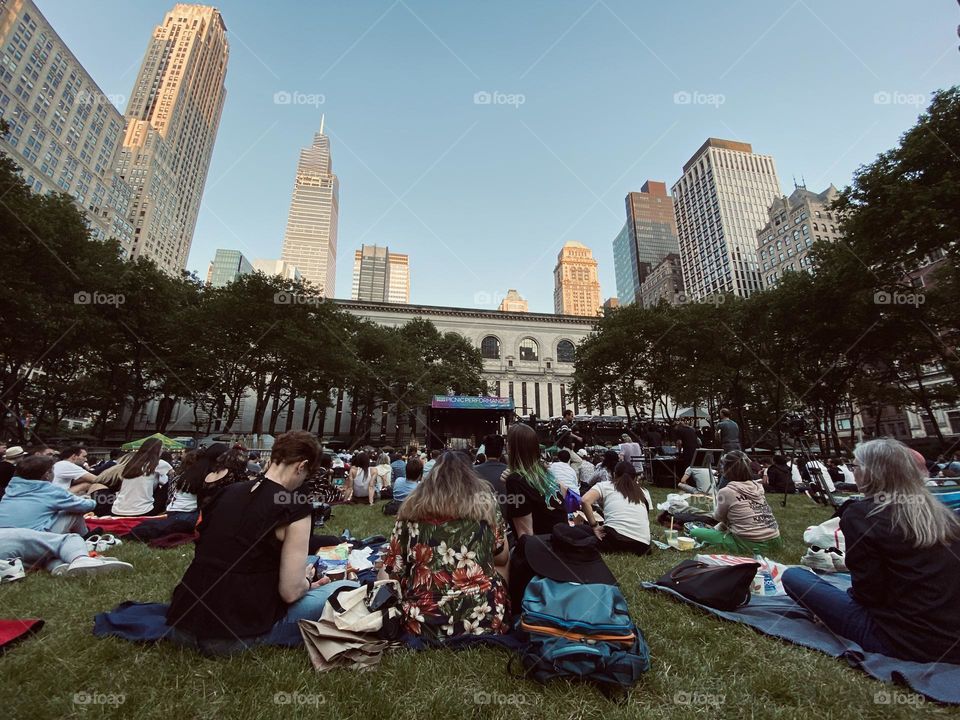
{"x":724,"y":587}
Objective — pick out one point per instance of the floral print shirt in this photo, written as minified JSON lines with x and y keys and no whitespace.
{"x":447,"y":577}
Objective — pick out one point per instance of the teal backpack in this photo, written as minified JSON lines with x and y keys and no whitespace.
{"x":580,"y":631}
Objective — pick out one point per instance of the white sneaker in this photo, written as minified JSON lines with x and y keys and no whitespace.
{"x":11,"y":570}
{"x":102,"y":543}
{"x":86,"y":565}
{"x":819,"y":560}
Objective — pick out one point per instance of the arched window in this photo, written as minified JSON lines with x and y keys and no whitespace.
{"x":490,"y":348}
{"x":565,"y":351}
{"x":529,"y":350}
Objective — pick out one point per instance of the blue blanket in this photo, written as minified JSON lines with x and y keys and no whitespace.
{"x":781,"y":617}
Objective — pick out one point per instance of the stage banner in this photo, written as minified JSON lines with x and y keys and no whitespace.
{"x":471,"y":402}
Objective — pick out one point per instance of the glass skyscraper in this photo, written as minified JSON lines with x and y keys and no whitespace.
{"x":226,"y":267}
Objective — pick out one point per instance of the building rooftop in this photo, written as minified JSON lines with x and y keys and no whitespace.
{"x":718,"y":143}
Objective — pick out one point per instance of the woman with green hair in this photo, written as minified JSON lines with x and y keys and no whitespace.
{"x":534,"y":501}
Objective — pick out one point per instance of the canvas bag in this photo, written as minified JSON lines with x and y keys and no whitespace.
{"x":367,"y":609}
{"x":581,"y":631}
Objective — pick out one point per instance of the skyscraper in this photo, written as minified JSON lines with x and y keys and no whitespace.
{"x":65,"y":133}
{"x":276,"y":268}
{"x":576,"y":289}
{"x":721,"y":201}
{"x":795,"y":223}
{"x":226,"y":267}
{"x":310,"y":240}
{"x":380,"y":275}
{"x":172,"y":121}
{"x":625,"y":266}
{"x":513,"y":302}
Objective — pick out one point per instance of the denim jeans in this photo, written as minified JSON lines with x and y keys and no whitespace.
{"x":843,"y":615}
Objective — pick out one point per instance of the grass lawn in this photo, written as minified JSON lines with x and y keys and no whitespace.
{"x":701,"y":667}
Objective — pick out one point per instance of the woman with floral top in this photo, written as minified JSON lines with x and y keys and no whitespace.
{"x":449,"y":552}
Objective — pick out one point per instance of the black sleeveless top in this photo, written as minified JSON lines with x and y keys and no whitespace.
{"x":231,"y":589}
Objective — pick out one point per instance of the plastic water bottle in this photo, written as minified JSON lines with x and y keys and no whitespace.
{"x":769,"y":586}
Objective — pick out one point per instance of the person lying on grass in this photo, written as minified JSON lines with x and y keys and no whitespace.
{"x":903,"y":553}
{"x":745,"y":521}
{"x":449,"y":552}
{"x":251,"y":580}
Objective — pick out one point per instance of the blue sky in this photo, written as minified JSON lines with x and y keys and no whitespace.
{"x":595,"y":98}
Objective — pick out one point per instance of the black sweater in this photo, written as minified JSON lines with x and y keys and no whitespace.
{"x":913,"y":594}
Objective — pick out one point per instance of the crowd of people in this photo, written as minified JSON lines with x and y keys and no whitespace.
{"x":466,"y":522}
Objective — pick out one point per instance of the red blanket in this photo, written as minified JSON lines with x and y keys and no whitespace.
{"x":116,"y":525}
{"x":11,"y":630}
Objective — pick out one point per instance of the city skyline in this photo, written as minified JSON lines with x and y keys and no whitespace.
{"x":411,"y":191}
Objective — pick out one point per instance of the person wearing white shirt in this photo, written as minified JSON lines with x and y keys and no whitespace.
{"x":564,"y":473}
{"x":626,"y":512}
{"x":141,"y":476}
{"x":70,"y":473}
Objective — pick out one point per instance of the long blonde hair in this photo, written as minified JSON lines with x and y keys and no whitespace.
{"x":112,"y":476}
{"x":891,"y":476}
{"x":451,"y":490}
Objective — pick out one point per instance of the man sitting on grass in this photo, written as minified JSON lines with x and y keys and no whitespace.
{"x":32,"y":501}
{"x":409,"y":481}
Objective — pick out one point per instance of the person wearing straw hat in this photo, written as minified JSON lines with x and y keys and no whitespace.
{"x":11,"y":456}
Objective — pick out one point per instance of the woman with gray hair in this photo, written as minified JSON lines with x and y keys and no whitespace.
{"x":903,"y":553}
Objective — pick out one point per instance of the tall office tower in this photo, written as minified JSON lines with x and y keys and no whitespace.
{"x":664,"y":283}
{"x":721,"y":201}
{"x":625,"y":266}
{"x":172,"y":121}
{"x":226,"y":267}
{"x":795,"y":223}
{"x":380,"y":275}
{"x":576,"y":289}
{"x":278,"y":268}
{"x":647,"y":237}
{"x":310,"y":240}
{"x":513,"y":302}
{"x":65,"y":133}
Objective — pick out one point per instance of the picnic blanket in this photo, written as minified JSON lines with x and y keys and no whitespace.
{"x":13,"y":630}
{"x":116,"y":525}
{"x":783,"y":618}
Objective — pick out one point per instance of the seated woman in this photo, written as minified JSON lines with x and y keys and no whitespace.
{"x":449,"y":552}
{"x":534,"y":497}
{"x":361,"y":485}
{"x":778,"y":478}
{"x":224,"y":466}
{"x":384,"y":476}
{"x":251,"y":579}
{"x":745,"y":522}
{"x":182,"y":509}
{"x":139,"y":481}
{"x":603,"y":471}
{"x":626,"y":512}
{"x":903,"y":553}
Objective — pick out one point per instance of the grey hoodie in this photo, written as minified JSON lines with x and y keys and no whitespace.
{"x":744,"y":511}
